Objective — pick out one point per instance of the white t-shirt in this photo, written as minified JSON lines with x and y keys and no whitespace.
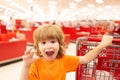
{"x":10,"y":25}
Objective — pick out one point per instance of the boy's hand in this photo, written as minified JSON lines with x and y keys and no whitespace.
{"x":28,"y":57}
{"x":106,"y":40}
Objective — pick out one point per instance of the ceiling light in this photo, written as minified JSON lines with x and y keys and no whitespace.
{"x":84,"y":9}
{"x":29,"y":1}
{"x":8,"y":0}
{"x":91,"y":5}
{"x":2,"y":6}
{"x":108,"y":7}
{"x":78,"y":0}
{"x":52,"y":2}
{"x":72,"y":4}
{"x":99,"y":1}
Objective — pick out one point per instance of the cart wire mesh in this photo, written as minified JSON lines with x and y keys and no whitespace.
{"x":106,"y":66}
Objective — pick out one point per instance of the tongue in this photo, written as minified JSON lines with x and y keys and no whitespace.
{"x":49,"y":53}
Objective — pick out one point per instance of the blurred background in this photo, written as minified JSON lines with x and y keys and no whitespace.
{"x":62,"y":10}
{"x":77,"y":18}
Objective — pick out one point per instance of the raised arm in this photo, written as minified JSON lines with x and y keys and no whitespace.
{"x":106,"y":41}
{"x":27,"y":61}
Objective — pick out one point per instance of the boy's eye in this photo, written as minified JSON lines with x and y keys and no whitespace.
{"x":53,"y":41}
{"x":43,"y":42}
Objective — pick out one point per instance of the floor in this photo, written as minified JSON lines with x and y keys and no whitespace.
{"x":12,"y":71}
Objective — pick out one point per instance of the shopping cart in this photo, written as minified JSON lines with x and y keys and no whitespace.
{"x":106,"y":66}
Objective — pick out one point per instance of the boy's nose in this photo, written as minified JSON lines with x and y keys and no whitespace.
{"x":48,"y":46}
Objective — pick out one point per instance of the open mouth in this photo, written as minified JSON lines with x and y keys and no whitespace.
{"x":50,"y":53}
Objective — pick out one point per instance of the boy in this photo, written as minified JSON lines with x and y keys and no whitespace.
{"x":52,"y":63}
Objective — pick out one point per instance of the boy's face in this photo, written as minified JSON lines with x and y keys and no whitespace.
{"x":49,"y":49}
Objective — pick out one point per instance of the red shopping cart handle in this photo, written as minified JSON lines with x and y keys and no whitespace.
{"x":99,"y":39}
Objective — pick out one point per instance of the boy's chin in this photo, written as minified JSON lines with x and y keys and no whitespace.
{"x":51,"y":59}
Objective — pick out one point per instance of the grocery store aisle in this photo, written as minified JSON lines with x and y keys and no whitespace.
{"x":12,"y":71}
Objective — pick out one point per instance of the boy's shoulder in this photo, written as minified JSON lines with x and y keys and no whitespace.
{"x":67,"y":57}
